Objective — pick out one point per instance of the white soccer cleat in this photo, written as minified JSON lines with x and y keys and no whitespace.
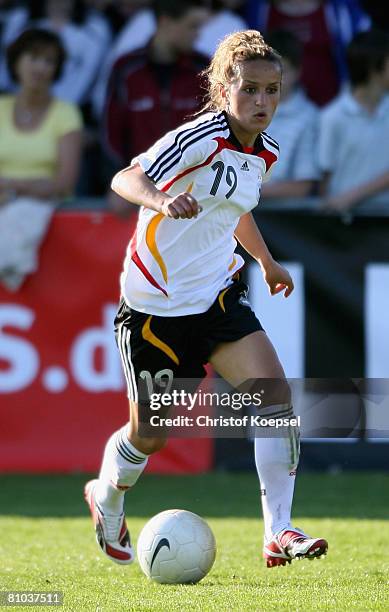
{"x":292,"y":544}
{"x":111,"y":530}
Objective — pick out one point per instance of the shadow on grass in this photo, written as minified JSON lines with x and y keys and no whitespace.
{"x":354,"y":495}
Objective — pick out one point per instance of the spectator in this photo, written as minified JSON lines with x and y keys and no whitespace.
{"x":325,"y":27}
{"x":12,"y":20}
{"x":354,"y":134}
{"x":40,"y":146}
{"x":154,"y":88}
{"x":141,"y":26}
{"x":294,"y":126}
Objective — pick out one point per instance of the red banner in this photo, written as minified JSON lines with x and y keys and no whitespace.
{"x":62,"y":391}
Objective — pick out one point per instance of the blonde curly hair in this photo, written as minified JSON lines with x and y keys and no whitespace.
{"x":233,"y":49}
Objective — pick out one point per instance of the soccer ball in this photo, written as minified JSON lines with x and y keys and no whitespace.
{"x":176,"y":546}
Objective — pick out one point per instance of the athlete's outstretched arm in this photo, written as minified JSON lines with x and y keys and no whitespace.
{"x":133,"y":185}
{"x":249,"y":236}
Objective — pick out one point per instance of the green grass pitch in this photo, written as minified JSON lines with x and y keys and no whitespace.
{"x":47,"y":543}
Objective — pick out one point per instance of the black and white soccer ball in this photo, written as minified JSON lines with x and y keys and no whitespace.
{"x":176,"y":547}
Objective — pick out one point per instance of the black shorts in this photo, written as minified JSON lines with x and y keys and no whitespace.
{"x":151,"y":346}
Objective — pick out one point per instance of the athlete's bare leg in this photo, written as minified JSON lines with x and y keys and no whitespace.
{"x":250,"y":357}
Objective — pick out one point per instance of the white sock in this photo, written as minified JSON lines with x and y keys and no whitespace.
{"x":276,"y":460}
{"x":121,"y":467}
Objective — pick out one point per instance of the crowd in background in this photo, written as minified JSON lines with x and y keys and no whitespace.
{"x":85,"y":85}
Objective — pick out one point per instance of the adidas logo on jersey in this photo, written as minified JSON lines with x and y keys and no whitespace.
{"x":245,"y":166}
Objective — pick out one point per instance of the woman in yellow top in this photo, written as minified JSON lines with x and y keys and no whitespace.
{"x":40,"y":147}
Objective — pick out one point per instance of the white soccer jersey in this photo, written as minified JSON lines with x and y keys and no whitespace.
{"x":177,"y":267}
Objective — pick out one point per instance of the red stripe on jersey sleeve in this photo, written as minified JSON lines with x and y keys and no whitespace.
{"x":268,"y":157}
{"x":222,"y":143}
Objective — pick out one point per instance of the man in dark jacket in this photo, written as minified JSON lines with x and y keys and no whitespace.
{"x":154,"y":89}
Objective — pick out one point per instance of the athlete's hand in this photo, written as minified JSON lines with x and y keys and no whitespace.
{"x":183,"y":206}
{"x":277,"y":278}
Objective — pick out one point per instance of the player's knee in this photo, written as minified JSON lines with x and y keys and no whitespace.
{"x":148,"y":445}
{"x":153,"y":445}
{"x":272,"y":391}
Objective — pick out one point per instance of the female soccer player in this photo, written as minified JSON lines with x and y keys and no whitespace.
{"x":182,"y":303}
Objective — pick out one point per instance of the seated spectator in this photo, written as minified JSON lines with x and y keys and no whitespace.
{"x":324,"y":27}
{"x":155,"y":88}
{"x":294,"y":126}
{"x":354,"y":130}
{"x":86,"y":36}
{"x":40,"y":147}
